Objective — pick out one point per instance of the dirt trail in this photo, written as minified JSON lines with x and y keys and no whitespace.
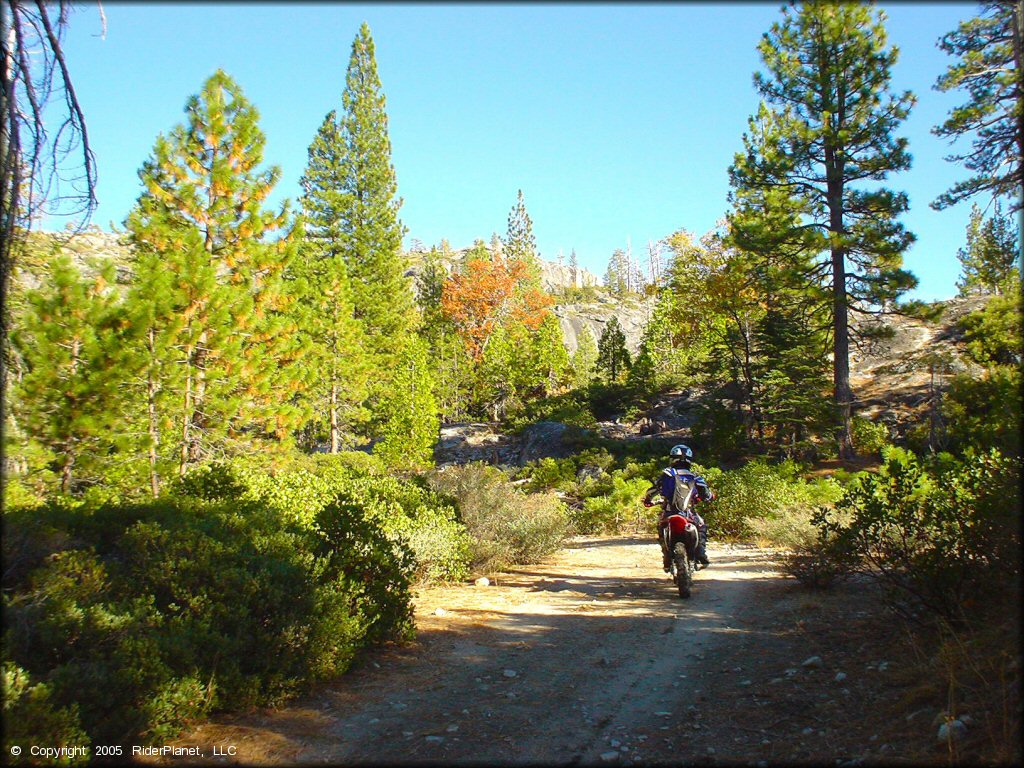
{"x":590,"y":658}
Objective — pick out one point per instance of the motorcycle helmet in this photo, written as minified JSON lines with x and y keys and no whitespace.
{"x":681,"y":453}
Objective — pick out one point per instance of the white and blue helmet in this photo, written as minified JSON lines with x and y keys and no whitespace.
{"x":681,"y":453}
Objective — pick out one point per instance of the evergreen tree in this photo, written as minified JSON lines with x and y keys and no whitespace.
{"x":548,"y":356}
{"x":616,"y":278}
{"x":201,"y":215}
{"x":519,"y":245}
{"x":362,"y":189}
{"x":989,"y":260}
{"x":429,"y":288}
{"x":574,"y":269}
{"x":410,"y":431}
{"x":77,"y":357}
{"x":497,"y":371}
{"x":613,"y":359}
{"x":642,"y":377}
{"x":989,"y":67}
{"x":336,"y":365}
{"x":830,"y":127}
{"x":156,"y":302}
{"x":451,"y":365}
{"x":581,"y":365}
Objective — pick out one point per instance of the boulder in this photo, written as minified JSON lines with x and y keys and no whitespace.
{"x":545,"y":439}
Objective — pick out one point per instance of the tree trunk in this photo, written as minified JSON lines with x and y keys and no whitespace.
{"x":335,"y":442}
{"x":66,"y":467}
{"x":154,"y":433}
{"x":186,"y":416}
{"x":843,"y":394}
{"x":197,"y":417}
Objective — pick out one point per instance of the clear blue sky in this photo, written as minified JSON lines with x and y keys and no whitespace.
{"x":616,"y":121}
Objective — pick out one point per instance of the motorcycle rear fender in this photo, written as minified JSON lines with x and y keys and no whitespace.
{"x":679,"y":526}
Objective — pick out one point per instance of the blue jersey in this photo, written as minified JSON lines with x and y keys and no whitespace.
{"x":666,"y":484}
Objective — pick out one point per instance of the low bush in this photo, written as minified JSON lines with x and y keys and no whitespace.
{"x":939,"y":534}
{"x":506,"y":526}
{"x":30,"y":712}
{"x":759,"y":493}
{"x":868,"y":436}
{"x":409,"y":514}
{"x":616,"y":506}
{"x":985,"y":411}
{"x":237,"y":588}
{"x":571,"y":408}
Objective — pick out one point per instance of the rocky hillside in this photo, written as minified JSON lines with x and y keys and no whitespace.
{"x":894,"y":380}
{"x":633,"y":314}
{"x":94,"y":246}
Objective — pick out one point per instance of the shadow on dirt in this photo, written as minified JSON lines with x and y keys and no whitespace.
{"x":539,"y":668}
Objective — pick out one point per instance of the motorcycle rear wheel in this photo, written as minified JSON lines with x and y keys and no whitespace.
{"x":682,"y":569}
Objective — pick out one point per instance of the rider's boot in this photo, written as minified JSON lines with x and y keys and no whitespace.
{"x":702,"y":555}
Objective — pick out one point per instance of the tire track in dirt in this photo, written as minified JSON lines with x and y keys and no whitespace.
{"x":588,"y":658}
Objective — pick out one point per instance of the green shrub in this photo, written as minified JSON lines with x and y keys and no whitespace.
{"x":410,"y":515}
{"x":506,"y":526}
{"x":805,"y":555}
{"x":937,"y":534}
{"x":549,"y":473}
{"x":617,"y":506}
{"x":571,"y":408}
{"x":992,"y":335}
{"x":868,"y":436}
{"x":237,"y":590}
{"x":32,"y":717}
{"x":759,"y":491}
{"x":985,"y":411}
{"x":721,"y":427}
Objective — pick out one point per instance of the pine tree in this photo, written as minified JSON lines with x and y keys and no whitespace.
{"x":519,"y":245}
{"x":574,"y":269}
{"x":365,"y":208}
{"x":74,"y":344}
{"x":583,"y":360}
{"x":497,"y":371}
{"x":336,"y":365}
{"x":410,"y":431}
{"x":613,"y":359}
{"x":989,"y":50}
{"x":989,"y":260}
{"x":548,"y":357}
{"x":155,"y":303}
{"x":201,"y":215}
{"x":616,"y":278}
{"x":451,"y":365}
{"x":828,"y":125}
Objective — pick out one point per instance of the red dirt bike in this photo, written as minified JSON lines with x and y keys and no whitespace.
{"x":679,"y":537}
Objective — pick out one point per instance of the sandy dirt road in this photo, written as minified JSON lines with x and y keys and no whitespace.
{"x":589,"y":658}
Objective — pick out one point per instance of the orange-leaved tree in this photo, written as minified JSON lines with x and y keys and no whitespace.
{"x":487,"y":293}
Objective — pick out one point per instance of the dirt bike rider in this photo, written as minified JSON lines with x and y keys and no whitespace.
{"x":680,"y":458}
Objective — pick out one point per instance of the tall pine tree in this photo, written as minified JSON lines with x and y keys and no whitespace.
{"x":335,"y":365}
{"x":519,"y":246}
{"x":202,"y":216}
{"x":827,"y":127}
{"x":359,"y":197}
{"x":613,"y":359}
{"x":990,"y":67}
